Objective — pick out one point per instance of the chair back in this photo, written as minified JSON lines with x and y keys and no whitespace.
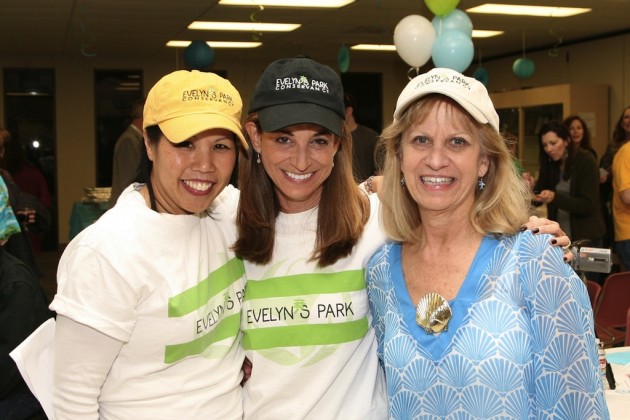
{"x":612,"y":308}
{"x":594,"y":290}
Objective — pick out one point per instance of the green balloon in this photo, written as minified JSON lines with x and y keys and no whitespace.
{"x":441,"y":7}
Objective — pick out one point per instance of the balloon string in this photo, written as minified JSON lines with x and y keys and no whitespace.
{"x":411,"y":71}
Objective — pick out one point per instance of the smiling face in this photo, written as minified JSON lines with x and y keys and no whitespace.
{"x":554,"y":145}
{"x":577,"y":131}
{"x":298,"y":159}
{"x":187,"y":176}
{"x":441,"y":161}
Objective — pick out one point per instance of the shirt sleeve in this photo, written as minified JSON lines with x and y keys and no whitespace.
{"x":83,"y":358}
{"x":564,"y":350}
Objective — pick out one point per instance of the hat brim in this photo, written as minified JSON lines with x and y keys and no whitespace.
{"x":462,"y":101}
{"x":182,"y":128}
{"x":275,"y":117}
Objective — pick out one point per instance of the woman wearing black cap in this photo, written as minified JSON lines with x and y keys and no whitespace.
{"x":305,"y":232}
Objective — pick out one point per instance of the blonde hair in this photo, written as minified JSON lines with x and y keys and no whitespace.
{"x":499,"y":209}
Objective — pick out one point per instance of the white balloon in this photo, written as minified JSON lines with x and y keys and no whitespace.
{"x":414,"y":37}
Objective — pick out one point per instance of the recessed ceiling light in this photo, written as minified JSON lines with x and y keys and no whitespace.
{"x":244,"y":26}
{"x":517,"y":9}
{"x":288,"y":3}
{"x":373,"y":47}
{"x":217,"y":44}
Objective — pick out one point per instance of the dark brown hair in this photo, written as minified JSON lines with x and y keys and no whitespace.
{"x":549,"y":167}
{"x":586,"y":138}
{"x":343,"y":209}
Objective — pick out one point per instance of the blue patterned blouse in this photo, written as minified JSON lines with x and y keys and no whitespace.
{"x":520,"y":344}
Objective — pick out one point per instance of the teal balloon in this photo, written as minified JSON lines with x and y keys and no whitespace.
{"x":453,"y":50}
{"x":441,"y":7}
{"x":456,"y":20}
{"x":523,"y":68}
{"x":481,"y":74}
{"x":343,"y":59}
{"x":198,"y":55}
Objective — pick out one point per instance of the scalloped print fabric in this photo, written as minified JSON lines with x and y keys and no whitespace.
{"x":523,"y":348}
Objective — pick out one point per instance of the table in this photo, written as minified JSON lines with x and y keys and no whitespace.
{"x":84,"y":214}
{"x":618,"y":400}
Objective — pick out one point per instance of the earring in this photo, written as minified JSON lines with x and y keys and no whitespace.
{"x":258,"y":158}
{"x":402,"y":182}
{"x":481,"y":184}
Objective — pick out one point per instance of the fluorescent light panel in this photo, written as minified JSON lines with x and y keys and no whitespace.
{"x":244,"y":26}
{"x":478,"y":33}
{"x":288,"y":3}
{"x":517,"y":9}
{"x":217,"y":44}
{"x":373,"y":47}
{"x":386,"y":47}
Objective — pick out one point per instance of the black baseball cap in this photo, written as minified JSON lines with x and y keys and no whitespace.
{"x":298,"y":90}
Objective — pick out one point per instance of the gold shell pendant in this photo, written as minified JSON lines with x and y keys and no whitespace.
{"x":433,"y":313}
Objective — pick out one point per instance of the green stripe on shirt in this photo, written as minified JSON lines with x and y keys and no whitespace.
{"x":305,"y":284}
{"x":226,"y":328}
{"x":304,"y":335}
{"x":198,"y":296}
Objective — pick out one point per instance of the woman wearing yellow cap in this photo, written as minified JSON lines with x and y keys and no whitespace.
{"x":149,"y":297}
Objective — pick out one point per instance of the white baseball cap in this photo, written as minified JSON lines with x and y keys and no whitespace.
{"x":470,"y":93}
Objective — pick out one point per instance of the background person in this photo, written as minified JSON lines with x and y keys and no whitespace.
{"x":149,"y":296}
{"x":472,"y":317}
{"x":569,"y":184}
{"x":128,"y":152}
{"x":33,"y":217}
{"x":364,"y":141}
{"x":621,"y":199}
{"x":29,"y":179}
{"x":580,"y":134}
{"x":23,"y":308}
{"x":621,"y":135}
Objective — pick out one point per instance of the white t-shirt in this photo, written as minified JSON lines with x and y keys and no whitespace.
{"x":307,"y":330}
{"x":169,"y":288}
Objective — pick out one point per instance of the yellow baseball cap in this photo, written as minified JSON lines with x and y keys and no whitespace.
{"x":185,"y":103}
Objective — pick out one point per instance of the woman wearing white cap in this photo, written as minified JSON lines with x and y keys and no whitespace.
{"x":306,"y":233}
{"x":149,"y":297}
{"x":473,"y":318}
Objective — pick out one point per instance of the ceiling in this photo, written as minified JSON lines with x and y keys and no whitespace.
{"x":141,"y":28}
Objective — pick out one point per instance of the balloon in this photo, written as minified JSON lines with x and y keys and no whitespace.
{"x":523,"y":68}
{"x":453,"y":50}
{"x":343,"y":59}
{"x":481,"y":74}
{"x":441,"y":7}
{"x":414,"y":37}
{"x":198,"y":55}
{"x":456,"y":20}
